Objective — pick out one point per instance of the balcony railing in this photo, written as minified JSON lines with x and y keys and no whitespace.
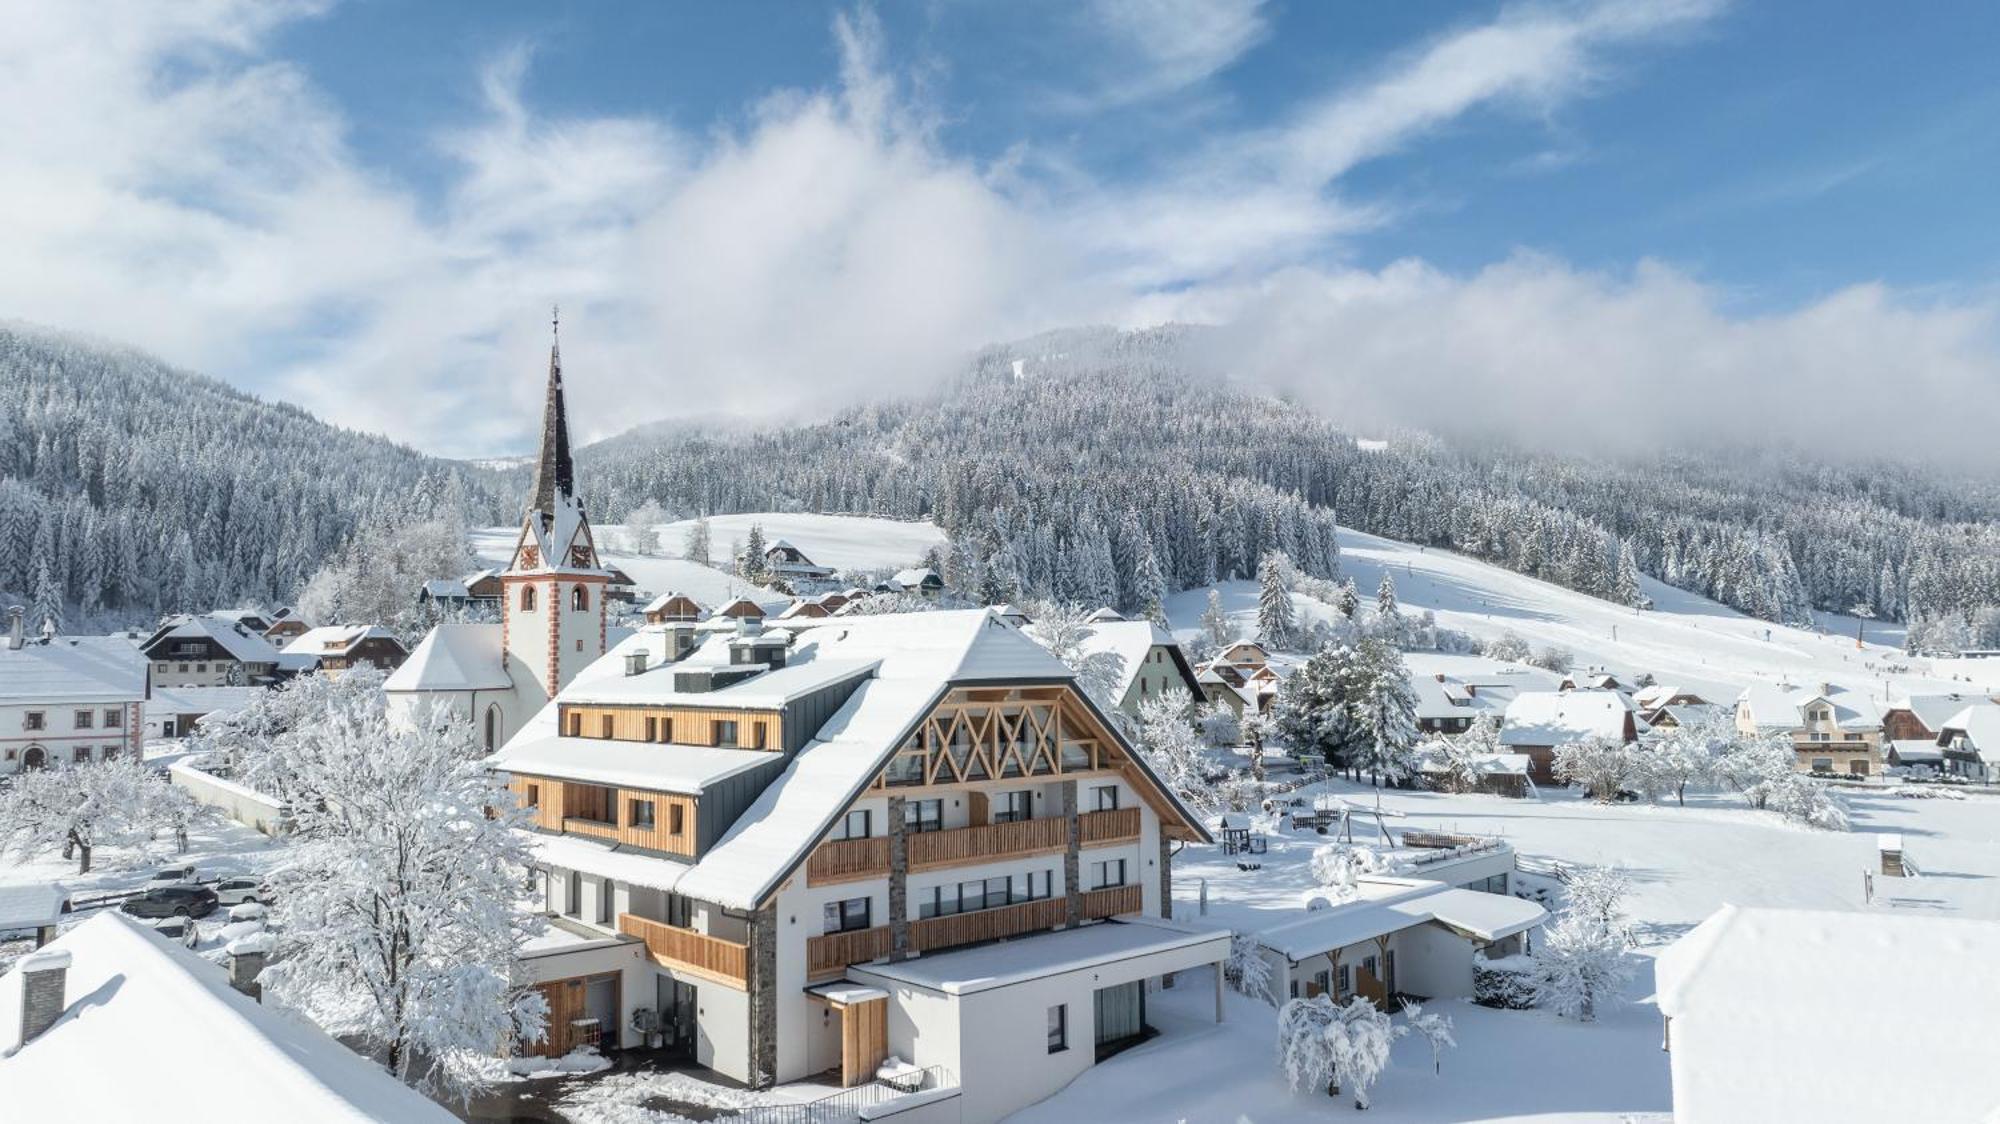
{"x":850,"y":860}
{"x":832,"y":953}
{"x":671,"y":946}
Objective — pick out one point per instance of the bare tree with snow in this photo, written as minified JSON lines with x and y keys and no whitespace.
{"x":77,"y":808}
{"x":1063,"y":629}
{"x":1601,"y":765}
{"x":1167,"y":738}
{"x":1582,"y":960}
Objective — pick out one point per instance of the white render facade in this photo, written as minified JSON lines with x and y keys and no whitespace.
{"x":69,"y":700}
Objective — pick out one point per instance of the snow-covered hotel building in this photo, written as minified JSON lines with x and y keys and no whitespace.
{"x":761,"y":850}
{"x":68,"y":699}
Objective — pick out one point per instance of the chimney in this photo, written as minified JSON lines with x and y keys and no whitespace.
{"x":635,"y":662}
{"x":246,"y":957}
{"x":1826,"y":689}
{"x":14,"y":639}
{"x":44,"y":975}
{"x":1439,"y":677}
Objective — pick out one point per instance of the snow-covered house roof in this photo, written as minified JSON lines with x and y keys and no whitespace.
{"x":72,"y":669}
{"x":1685,"y":714}
{"x":1132,"y":642}
{"x":1548,"y":718}
{"x":916,"y":577}
{"x":687,"y":609}
{"x":336,"y":639}
{"x":1932,"y":710}
{"x":1390,"y":905}
{"x":145,"y":1018}
{"x":241,"y":644}
{"x":1104,"y":615}
{"x":454,"y":657}
{"x":1448,"y":699}
{"x":1486,"y":764}
{"x":1782,"y":706}
{"x":1915,"y":751}
{"x":1756,"y":1033}
{"x":1975,"y":728}
{"x":685,"y":769}
{"x":445,"y":589}
{"x":29,"y":905}
{"x":202,"y":700}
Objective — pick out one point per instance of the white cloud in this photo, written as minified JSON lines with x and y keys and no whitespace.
{"x":1163,"y":47}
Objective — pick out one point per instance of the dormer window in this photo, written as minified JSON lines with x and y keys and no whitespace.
{"x":527,"y":598}
{"x":579,"y":599}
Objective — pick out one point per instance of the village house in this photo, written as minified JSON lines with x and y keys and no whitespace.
{"x":752,"y":844}
{"x":1241,"y":678}
{"x":1672,"y":716}
{"x":1150,"y":661}
{"x":331,"y":649}
{"x":918,"y":581}
{"x":1969,"y":742}
{"x":1832,"y":729}
{"x":552,"y":619}
{"x":68,"y":699}
{"x":210,"y":650}
{"x":110,"y":1022}
{"x":173,"y":712}
{"x":478,"y":589}
{"x":1536,"y":723}
{"x":1448,"y":706}
{"x":1755,"y":1034}
{"x":286,"y":626}
{"x":788,"y":563}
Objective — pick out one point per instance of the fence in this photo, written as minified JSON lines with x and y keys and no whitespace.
{"x":246,"y":806}
{"x":845,"y":1106}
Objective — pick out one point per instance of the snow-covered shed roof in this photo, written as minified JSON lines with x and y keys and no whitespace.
{"x":454,"y":657}
{"x":1558,"y":717}
{"x":28,"y":905}
{"x":1487,"y":764}
{"x":1781,"y":706}
{"x":1978,"y":724}
{"x":1916,"y":751}
{"x":685,"y":769}
{"x":241,"y":644}
{"x":146,"y":1017}
{"x":970,"y":970}
{"x":1758,"y":1035}
{"x":72,"y":669}
{"x":1390,"y":905}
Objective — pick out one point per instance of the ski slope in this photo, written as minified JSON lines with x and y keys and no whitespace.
{"x":1685,"y":638}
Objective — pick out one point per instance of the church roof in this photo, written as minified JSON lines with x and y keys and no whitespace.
{"x":454,"y":657}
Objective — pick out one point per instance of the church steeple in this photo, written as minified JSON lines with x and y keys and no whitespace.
{"x":554,"y":476}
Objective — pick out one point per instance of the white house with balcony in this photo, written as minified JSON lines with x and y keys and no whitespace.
{"x":1833,"y":729}
{"x":806,"y":850}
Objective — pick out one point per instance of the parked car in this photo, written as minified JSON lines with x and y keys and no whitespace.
{"x":171,"y":901}
{"x":179,"y":874}
{"x":180,"y":930}
{"x":236,"y":891}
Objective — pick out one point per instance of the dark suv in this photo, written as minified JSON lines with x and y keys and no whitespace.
{"x":172,"y":901}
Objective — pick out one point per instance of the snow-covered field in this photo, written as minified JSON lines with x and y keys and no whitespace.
{"x":841,"y":541}
{"x":1684,"y":639}
{"x":1683,"y":862}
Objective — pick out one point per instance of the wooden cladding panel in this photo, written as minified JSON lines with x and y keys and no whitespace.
{"x":580,"y":809}
{"x":566,"y":1004}
{"x":848,"y":860}
{"x":671,"y":946}
{"x":685,"y":725}
{"x":1114,"y":902}
{"x":864,"y":1040}
{"x":831,"y":953}
{"x":1117,"y":826}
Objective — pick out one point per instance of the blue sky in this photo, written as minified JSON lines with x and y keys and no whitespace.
{"x":773,"y":208}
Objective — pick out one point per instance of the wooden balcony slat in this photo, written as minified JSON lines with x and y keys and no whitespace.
{"x":674,"y":947}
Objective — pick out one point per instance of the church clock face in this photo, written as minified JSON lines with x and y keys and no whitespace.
{"x":529,"y":557}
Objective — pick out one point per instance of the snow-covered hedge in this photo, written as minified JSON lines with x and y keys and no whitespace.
{"x":1507,"y":983}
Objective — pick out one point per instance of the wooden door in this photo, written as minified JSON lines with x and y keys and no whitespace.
{"x":864,"y":1040}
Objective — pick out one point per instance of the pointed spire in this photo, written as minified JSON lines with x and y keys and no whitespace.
{"x":554,"y":477}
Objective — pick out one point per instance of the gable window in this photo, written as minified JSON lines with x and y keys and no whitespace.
{"x":1108,"y":874}
{"x":856,"y":824}
{"x":34,"y":720}
{"x":1058,"y":1028}
{"x":1104,"y":798}
{"x":85,"y":719}
{"x":1012,"y":807}
{"x":639,"y":814}
{"x":923,"y":815}
{"x":725,"y":732}
{"x":846,"y":916}
{"x":527,"y":598}
{"x":579,"y":599}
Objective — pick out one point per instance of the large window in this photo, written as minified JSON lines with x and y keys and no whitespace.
{"x":856,"y":824}
{"x":85,"y":719}
{"x":1108,"y":874}
{"x":985,"y":893}
{"x":1058,"y":1028}
{"x":1104,"y":798}
{"x":847,"y":916}
{"x":1121,"y":1014}
{"x":34,"y":720}
{"x":639,"y":814}
{"x":923,"y":815}
{"x":1011,"y":807}
{"x":725,"y":732}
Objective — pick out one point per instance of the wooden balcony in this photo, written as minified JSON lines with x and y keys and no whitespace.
{"x":933,"y":933}
{"x":833,"y":952}
{"x":848,"y":860}
{"x":830,"y":954}
{"x":1115,"y":902}
{"x":853,"y":860}
{"x":1119,"y":826}
{"x":670,"y":946}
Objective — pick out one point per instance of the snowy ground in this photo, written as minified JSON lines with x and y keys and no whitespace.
{"x":1684,"y":639}
{"x":841,"y":541}
{"x":1510,"y":1065}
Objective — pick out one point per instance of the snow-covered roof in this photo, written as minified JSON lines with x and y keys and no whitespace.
{"x":1781,"y":706}
{"x":1487,"y":764}
{"x":72,"y":669}
{"x":1448,"y":699}
{"x":685,"y":769}
{"x":970,"y":970}
{"x":1390,"y":905}
{"x":1758,"y":1034}
{"x":202,"y":700}
{"x":604,"y":860}
{"x":767,"y":690}
{"x":454,"y":657}
{"x":336,"y":639}
{"x":1932,"y":710}
{"x":557,"y":534}
{"x":1979,"y":724}
{"x":1916,"y":750}
{"x":446,"y":588}
{"x":663,"y":600}
{"x":146,"y":1017}
{"x":241,"y":644}
{"x":1131,"y":642}
{"x":27,"y":905}
{"x":1689,"y":714}
{"x":913,"y":577}
{"x":1558,"y":717}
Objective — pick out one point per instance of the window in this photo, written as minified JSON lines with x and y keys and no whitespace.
{"x":1012,"y":807}
{"x":857,"y":824}
{"x":1108,"y":873}
{"x":534,"y":796}
{"x":725,"y":732}
{"x":639,"y":814}
{"x":1058,"y":1028}
{"x":579,"y":599}
{"x":34,"y":720}
{"x":605,"y":900}
{"x":846,"y":916}
{"x":667,"y":729}
{"x":923,"y":815}
{"x":757,"y":735}
{"x":575,"y":724}
{"x":1105,"y":798}
{"x":604,"y":727}
{"x":1822,"y":764}
{"x":202,"y":667}
{"x":85,"y":719}
{"x":183,"y":669}
{"x":82,"y":754}
{"x":1343,"y":980}
{"x":652,"y":728}
{"x":676,"y":819}
{"x":109,"y":752}
{"x":527,"y":598}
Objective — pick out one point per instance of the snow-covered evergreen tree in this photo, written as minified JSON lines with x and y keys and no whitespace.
{"x":751,"y":564}
{"x":1385,"y":596}
{"x":1312,"y":708}
{"x":1215,"y":622}
{"x":47,"y":611}
{"x":1350,"y":598}
{"x":1276,"y":624}
{"x":695,"y":546}
{"x":1384,"y":713}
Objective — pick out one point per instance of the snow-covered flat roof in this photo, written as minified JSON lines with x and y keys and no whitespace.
{"x":603,"y":860}
{"x":72,"y":669}
{"x":454,"y":657}
{"x":685,"y":769}
{"x":147,"y":1019}
{"x":28,"y":905}
{"x":972,"y":970}
{"x":1390,"y":905}
{"x":1761,"y":1030}
{"x":202,"y":700}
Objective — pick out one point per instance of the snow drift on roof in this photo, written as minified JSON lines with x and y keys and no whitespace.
{"x":73,"y":669}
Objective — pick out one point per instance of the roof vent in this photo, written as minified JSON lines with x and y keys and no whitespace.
{"x":635,"y":662}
